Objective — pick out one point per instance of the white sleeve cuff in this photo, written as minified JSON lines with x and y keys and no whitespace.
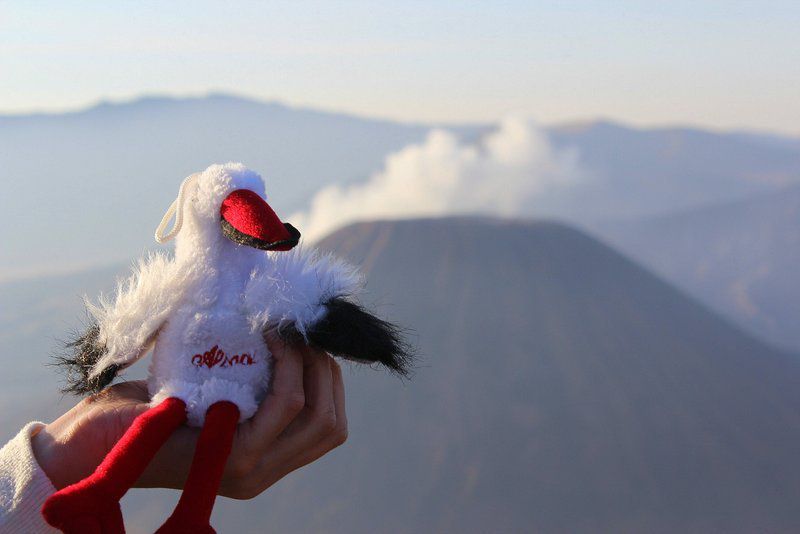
{"x":23,"y":486}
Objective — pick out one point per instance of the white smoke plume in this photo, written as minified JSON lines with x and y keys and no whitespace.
{"x":501,"y":175}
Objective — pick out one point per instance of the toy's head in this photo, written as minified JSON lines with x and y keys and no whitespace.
{"x":226,"y":201}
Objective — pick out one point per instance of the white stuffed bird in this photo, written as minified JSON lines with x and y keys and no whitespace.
{"x":205,"y":313}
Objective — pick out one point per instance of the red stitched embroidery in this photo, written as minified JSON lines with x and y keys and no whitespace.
{"x":216,"y":356}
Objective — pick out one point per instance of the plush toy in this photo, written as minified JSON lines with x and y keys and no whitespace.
{"x":205,"y":314}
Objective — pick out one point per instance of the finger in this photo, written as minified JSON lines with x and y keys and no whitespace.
{"x":133,"y":390}
{"x":299,"y":449}
{"x":338,"y":435}
{"x":339,"y":402}
{"x":318,"y":379}
{"x":319,"y":415}
{"x":285,"y":398}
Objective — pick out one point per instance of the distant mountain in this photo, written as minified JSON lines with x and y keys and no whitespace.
{"x":110,"y":171}
{"x":88,"y":187}
{"x":740,"y":258}
{"x":647,"y":172}
{"x":561,"y":388}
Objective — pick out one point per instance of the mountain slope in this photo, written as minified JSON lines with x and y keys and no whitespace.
{"x":561,"y":388}
{"x":740,"y":258}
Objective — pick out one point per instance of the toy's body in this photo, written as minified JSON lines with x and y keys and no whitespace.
{"x":232,"y":365}
{"x":205,"y":314}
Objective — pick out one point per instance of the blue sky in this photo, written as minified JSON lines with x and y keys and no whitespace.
{"x":722,"y":64}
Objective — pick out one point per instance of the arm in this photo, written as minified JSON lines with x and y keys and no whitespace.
{"x":121,"y":331}
{"x":24,"y":486}
{"x":312,"y":299}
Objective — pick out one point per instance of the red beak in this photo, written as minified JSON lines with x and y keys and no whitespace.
{"x":248,"y":220}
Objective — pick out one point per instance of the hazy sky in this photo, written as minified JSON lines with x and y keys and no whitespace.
{"x":723,"y":64}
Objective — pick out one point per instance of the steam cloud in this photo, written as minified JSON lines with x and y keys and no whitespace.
{"x":501,"y":175}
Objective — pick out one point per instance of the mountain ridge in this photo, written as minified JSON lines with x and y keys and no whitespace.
{"x":574,"y":126}
{"x":159,"y":102}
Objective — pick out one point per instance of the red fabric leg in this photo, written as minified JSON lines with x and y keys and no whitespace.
{"x":193,"y":512}
{"x":111,"y":520}
{"x":92,"y":505}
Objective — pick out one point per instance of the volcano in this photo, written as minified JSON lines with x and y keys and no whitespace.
{"x":560,"y":388}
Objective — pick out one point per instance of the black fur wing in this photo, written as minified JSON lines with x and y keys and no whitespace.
{"x":81,"y":355}
{"x":349,"y":331}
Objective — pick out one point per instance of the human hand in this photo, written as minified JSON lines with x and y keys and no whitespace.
{"x":301,"y":419}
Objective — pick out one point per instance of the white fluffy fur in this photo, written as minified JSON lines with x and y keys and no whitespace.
{"x":199,"y":398}
{"x":143,"y":302}
{"x":295,"y":283}
{"x":215,"y":293}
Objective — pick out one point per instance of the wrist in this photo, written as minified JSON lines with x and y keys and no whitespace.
{"x":51,"y":455}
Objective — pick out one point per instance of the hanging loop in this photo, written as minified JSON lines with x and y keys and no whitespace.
{"x":176,"y":209}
